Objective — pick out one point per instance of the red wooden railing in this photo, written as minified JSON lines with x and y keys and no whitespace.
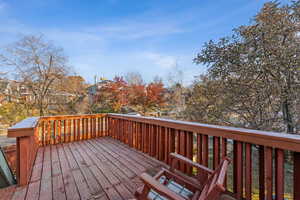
{"x":40,"y":131}
{"x":208,"y":144}
{"x":61,"y":129}
{"x":274,"y":153}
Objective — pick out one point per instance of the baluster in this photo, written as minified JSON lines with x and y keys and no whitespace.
{"x":296,"y":175}
{"x":87,"y":132}
{"x":131,"y":133}
{"x":101,"y":126}
{"x":182,"y":149}
{"x":269,"y":172}
{"x":84,"y":133}
{"x":171,"y":143}
{"x":216,"y":151}
{"x":58,"y":140}
{"x":153,"y":140}
{"x":189,"y":150}
{"x":140,"y":136}
{"x":162,"y":143}
{"x":144,"y":138}
{"x":74,"y":130}
{"x":78,"y":130}
{"x":224,"y":154}
{"x":199,"y":149}
{"x":43,"y":133}
{"x":238,"y":169}
{"x":157,"y":143}
{"x":65,"y":131}
{"x":69,"y":130}
{"x":205,"y":150}
{"x":53,"y":138}
{"x":167,"y":144}
{"x":94,"y":127}
{"x":261,"y":172}
{"x":248,"y":171}
{"x":279,"y":174}
{"x":147,"y":138}
{"x":98,"y":127}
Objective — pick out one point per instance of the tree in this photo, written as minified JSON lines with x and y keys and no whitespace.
{"x":145,"y":98}
{"x":112,"y":95}
{"x":12,"y":112}
{"x":134,"y":78}
{"x":258,"y":69}
{"x":38,"y":64}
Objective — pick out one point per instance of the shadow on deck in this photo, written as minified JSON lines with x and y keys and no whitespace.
{"x":101,"y":168}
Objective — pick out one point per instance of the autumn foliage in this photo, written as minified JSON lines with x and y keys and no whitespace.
{"x":118,"y":95}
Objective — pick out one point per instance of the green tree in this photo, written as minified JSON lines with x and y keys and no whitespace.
{"x":258,"y":69}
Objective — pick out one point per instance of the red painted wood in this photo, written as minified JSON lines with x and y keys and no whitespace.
{"x":224,"y":153}
{"x":172,"y":142}
{"x":183,"y":148}
{"x":199,"y":148}
{"x":296,"y":175}
{"x":205,"y":150}
{"x":65,"y":131}
{"x":216,"y":152}
{"x":238,"y":169}
{"x":248,"y":172}
{"x":189,"y":150}
{"x":58,"y":139}
{"x":53,"y":138}
{"x":261,"y":172}
{"x":279,"y":174}
{"x":157,"y":134}
{"x":162,"y":145}
{"x":73,"y":137}
{"x":78,"y":137}
{"x":268,"y":172}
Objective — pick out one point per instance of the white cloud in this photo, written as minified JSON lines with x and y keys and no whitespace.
{"x":136,"y":29}
{"x":163,"y":61}
{"x":2,"y":5}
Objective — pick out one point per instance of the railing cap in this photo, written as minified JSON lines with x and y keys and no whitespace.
{"x":23,"y":128}
{"x":259,"y":137}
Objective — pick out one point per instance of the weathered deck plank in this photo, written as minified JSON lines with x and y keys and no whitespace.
{"x":99,"y":168}
{"x":69,"y":182}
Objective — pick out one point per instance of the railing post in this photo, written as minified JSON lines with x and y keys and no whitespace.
{"x":296,"y":175}
{"x":26,"y":135}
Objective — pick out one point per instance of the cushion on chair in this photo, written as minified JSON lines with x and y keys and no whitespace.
{"x":172,"y":185}
{"x":226,"y":197}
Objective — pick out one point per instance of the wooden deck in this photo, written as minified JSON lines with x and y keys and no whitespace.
{"x":101,"y":168}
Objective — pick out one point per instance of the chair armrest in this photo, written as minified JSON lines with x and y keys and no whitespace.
{"x":177,"y":157}
{"x":151,"y":183}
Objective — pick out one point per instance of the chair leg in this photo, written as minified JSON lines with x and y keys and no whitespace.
{"x":143,"y":194}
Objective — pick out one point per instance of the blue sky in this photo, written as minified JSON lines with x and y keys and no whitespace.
{"x":112,"y":37}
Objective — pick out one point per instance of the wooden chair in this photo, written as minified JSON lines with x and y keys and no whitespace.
{"x":172,"y":184}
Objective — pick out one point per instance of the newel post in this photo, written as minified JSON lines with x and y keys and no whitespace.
{"x":26,"y":134}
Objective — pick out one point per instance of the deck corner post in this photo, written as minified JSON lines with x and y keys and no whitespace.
{"x":26,"y":134}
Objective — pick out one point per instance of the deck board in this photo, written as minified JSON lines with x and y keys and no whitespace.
{"x":102,"y":169}
{"x":68,"y":179}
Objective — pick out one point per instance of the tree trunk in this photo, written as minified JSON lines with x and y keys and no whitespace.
{"x":287,"y":117}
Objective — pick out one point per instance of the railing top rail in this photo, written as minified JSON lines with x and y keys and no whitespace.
{"x":27,"y":123}
{"x":266,"y":138}
{"x":23,"y":128}
{"x":55,"y":117}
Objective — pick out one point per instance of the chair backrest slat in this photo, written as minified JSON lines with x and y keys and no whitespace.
{"x":215,"y":183}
